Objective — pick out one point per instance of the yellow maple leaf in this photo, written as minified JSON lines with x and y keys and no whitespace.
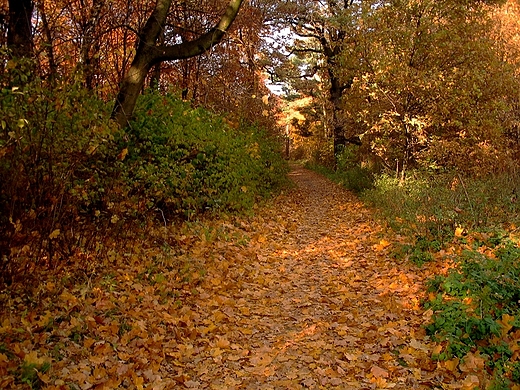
{"x":383,"y":244}
{"x":437,"y":349}
{"x":32,"y":358}
{"x":223,"y":343}
{"x":507,"y":323}
{"x":452,"y":364}
{"x":459,"y":231}
{"x":380,"y":382}
{"x":138,"y":381}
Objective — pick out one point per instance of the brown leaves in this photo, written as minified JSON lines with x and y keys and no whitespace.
{"x":303,"y":296}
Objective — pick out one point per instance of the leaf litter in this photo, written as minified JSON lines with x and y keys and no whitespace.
{"x":302,"y":295}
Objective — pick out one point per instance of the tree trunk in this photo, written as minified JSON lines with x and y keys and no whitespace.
{"x":155,"y":78}
{"x":130,"y":90}
{"x":150,"y":53}
{"x":19,"y":34}
{"x":87,"y":58}
{"x":338,"y":132}
{"x":49,"y":44}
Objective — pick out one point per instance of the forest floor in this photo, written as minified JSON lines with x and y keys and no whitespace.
{"x":302,"y":295}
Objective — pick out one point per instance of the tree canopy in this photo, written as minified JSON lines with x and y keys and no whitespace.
{"x":413,"y":83}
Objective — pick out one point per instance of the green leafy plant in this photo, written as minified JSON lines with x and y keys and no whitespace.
{"x":186,"y":161}
{"x":477,"y":306}
{"x":28,"y":374}
{"x":418,"y":253}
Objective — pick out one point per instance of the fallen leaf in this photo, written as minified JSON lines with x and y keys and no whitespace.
{"x":379,"y":372}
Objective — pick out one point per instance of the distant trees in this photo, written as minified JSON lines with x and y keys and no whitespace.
{"x":435,"y":89}
{"x":322,"y":31}
{"x":414,"y":83}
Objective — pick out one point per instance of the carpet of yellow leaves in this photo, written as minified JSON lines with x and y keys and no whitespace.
{"x":302,"y":295}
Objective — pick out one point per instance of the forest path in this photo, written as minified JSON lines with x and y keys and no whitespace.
{"x":316,"y":303}
{"x":304,"y":295}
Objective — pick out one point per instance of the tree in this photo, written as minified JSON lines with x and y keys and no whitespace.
{"x":323,"y":31}
{"x":150,"y":53}
{"x":432,"y":108}
{"x":19,"y":34}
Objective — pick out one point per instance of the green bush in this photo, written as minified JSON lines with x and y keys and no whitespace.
{"x":348,"y":172}
{"x":188,"y":161}
{"x":477,"y":307}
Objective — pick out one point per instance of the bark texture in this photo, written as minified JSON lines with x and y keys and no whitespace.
{"x":150,"y":53}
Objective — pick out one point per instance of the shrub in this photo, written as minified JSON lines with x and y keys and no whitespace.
{"x":477,"y":306}
{"x":56,"y":165}
{"x":348,"y":173}
{"x":186,"y":161}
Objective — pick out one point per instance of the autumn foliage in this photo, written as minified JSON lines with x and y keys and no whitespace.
{"x":141,"y":254}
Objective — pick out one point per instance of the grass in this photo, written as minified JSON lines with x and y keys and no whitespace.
{"x":437,"y":206}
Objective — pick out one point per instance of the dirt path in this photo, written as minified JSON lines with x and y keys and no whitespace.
{"x":316,"y":304}
{"x":302,"y":296}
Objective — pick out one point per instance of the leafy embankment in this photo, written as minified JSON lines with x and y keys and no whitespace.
{"x":471,"y":222}
{"x":302,"y":295}
{"x":69,"y":178}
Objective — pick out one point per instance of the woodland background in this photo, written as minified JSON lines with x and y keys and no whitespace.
{"x":414,"y":104}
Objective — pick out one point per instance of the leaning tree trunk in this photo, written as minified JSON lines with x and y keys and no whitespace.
{"x":150,"y":53}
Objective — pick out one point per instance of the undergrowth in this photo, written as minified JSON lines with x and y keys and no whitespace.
{"x":69,"y":178}
{"x":435,"y":205}
{"x":348,"y":171}
{"x":476,"y":307}
{"x":189,"y":161}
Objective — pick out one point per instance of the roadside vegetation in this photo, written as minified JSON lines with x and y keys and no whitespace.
{"x":469,"y":225}
{"x":69,"y":177}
